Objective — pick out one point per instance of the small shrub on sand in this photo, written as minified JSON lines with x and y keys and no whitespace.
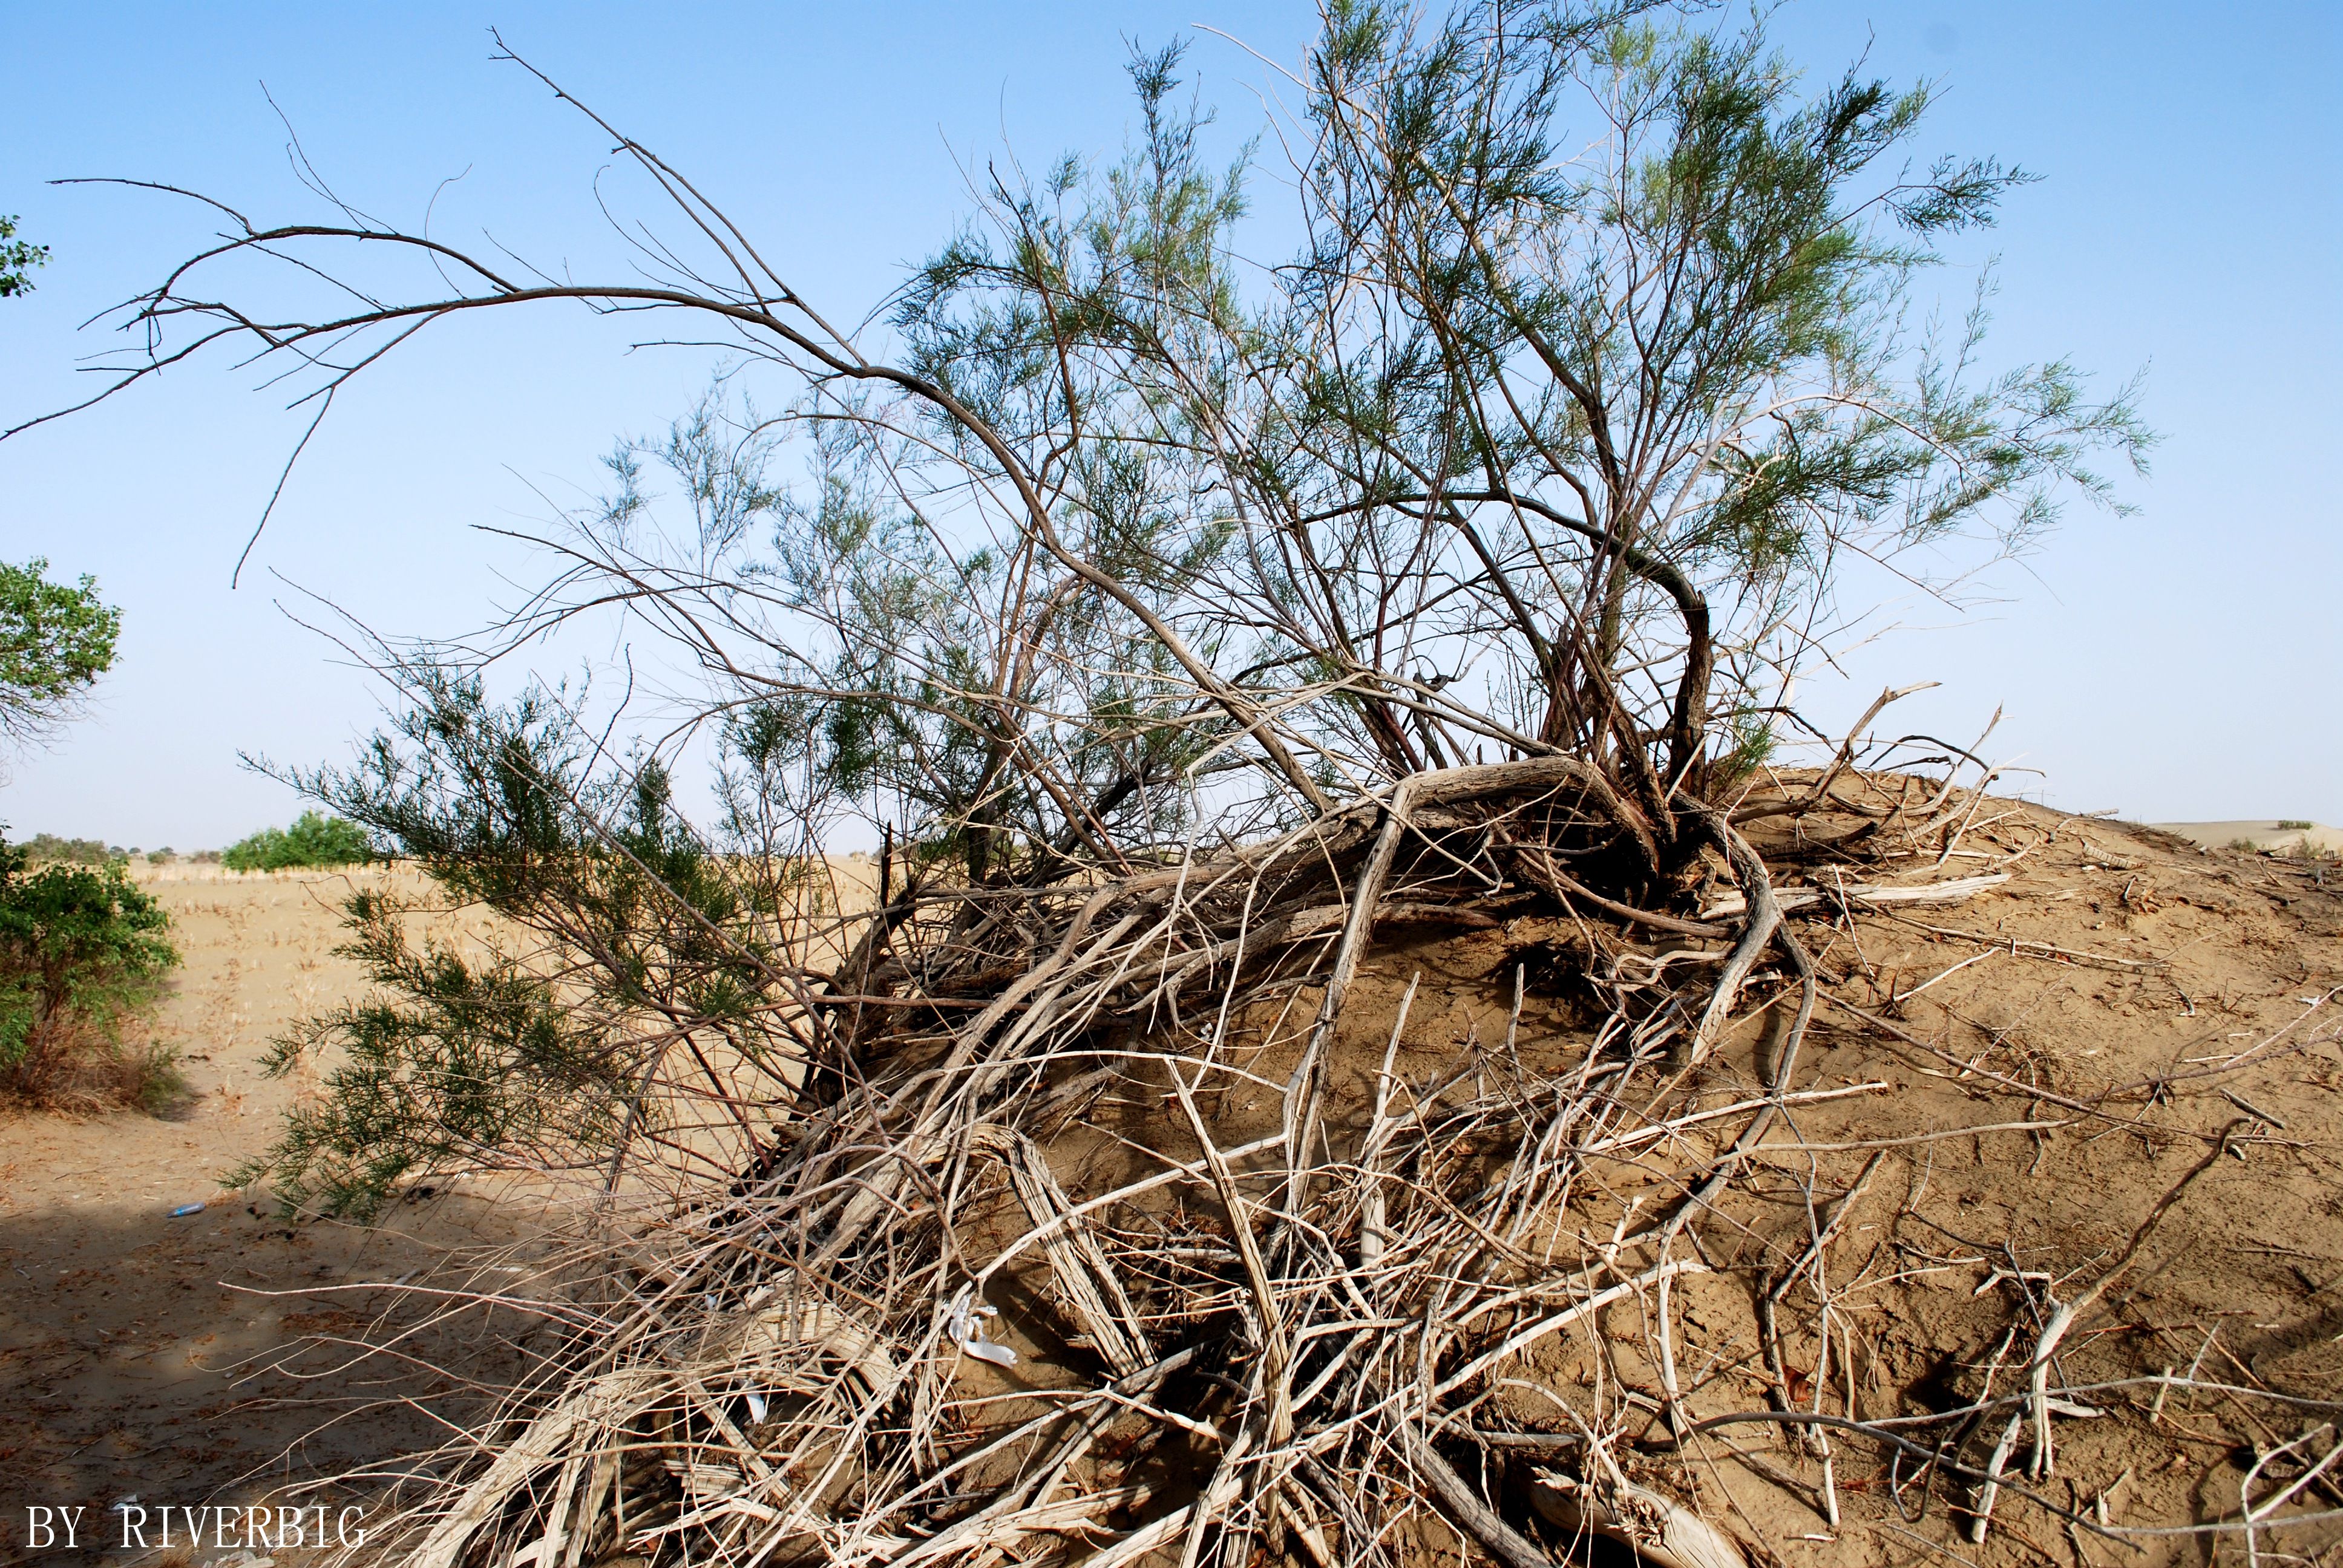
{"x":314,"y":841}
{"x":2292,"y":824}
{"x":82,"y":954}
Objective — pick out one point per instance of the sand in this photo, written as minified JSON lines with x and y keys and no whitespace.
{"x":192,"y":1361}
{"x":2264,"y":834}
{"x":137,"y":1348}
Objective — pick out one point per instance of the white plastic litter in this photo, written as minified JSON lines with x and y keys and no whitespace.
{"x":966,"y":1326}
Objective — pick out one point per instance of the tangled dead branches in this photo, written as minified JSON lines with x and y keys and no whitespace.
{"x":1154,"y":1251}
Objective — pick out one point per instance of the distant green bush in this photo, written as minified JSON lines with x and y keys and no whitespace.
{"x":47,"y":849}
{"x":314,"y":840}
{"x":2293,"y":822}
{"x":82,"y":951}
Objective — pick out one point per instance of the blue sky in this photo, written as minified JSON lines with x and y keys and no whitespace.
{"x":2179,"y":663}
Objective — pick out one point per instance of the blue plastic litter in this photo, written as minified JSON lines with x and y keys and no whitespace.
{"x":184,"y":1210}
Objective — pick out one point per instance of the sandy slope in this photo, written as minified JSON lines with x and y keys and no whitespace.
{"x":2055,"y":1052}
{"x":2127,"y":994}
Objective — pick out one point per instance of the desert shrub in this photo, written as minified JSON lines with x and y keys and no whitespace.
{"x":82,"y":954}
{"x":47,"y":849}
{"x":505,"y":1048}
{"x":1542,"y":450}
{"x":314,"y":840}
{"x":2290,"y":824}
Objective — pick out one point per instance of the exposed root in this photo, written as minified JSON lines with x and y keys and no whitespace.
{"x":1326,"y":1309}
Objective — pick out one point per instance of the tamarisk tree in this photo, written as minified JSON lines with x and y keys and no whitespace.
{"x":1177,"y":615}
{"x":1594,"y":363}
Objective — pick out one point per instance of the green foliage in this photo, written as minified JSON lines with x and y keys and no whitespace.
{"x":18,"y":260}
{"x":1587,"y":418}
{"x":1749,"y":743}
{"x":1685,"y":343}
{"x":82,"y":950}
{"x":56,"y":640}
{"x":2291,"y":823}
{"x":456,"y":1057}
{"x":890,"y":683}
{"x":42,"y":848}
{"x":314,"y":840}
{"x":621,"y":943}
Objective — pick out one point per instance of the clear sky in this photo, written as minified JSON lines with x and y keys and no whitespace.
{"x":2186,"y":662}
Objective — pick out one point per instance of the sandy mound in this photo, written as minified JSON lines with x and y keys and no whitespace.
{"x":2069,"y":1097}
{"x":2096,"y":1095}
{"x":2034,"y":1070}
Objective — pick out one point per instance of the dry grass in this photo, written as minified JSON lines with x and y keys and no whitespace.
{"x":80,"y":1065}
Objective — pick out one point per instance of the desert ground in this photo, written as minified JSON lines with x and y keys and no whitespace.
{"x":185,"y":1360}
{"x":204,"y":1358}
{"x":2260,"y":833}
